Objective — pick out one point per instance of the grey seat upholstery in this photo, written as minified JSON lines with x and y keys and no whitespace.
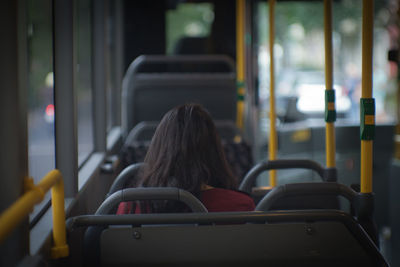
{"x":192,"y":46}
{"x":154,"y":84}
{"x":92,"y":246}
{"x":284,"y":238}
{"x":238,"y":154}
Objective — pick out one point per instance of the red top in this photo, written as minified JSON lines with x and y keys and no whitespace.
{"x":218,"y":199}
{"x":215,"y":200}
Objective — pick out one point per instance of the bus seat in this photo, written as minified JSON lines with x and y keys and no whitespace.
{"x":238,"y":153}
{"x":348,"y":151}
{"x":125,"y":178}
{"x":189,"y":45}
{"x":92,"y":234}
{"x":325,"y":174}
{"x":305,"y":189}
{"x":248,"y":182}
{"x":154,"y":84}
{"x":291,"y":196}
{"x":275,"y":238}
{"x":144,"y":130}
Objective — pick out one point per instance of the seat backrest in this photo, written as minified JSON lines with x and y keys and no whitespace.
{"x":328,"y":174}
{"x":155,"y":84}
{"x":144,"y":131}
{"x":238,"y":155}
{"x":316,"y":200}
{"x":290,"y":244}
{"x":93,"y":233}
{"x":189,"y":45}
{"x":284,"y":238}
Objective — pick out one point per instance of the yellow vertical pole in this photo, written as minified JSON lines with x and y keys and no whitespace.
{"x":330,"y":112}
{"x":367,"y":119}
{"x":240,"y":61}
{"x":273,"y":139}
{"x":60,"y":248}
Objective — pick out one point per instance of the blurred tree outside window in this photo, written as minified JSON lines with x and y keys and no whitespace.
{"x":188,"y":20}
{"x":300,"y":59}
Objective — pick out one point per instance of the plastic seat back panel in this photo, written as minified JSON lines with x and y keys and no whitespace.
{"x":294,"y":244}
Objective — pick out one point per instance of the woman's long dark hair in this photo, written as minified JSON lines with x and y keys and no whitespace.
{"x":186,"y":152}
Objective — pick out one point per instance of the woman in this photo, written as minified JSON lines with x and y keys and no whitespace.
{"x":186,"y":152}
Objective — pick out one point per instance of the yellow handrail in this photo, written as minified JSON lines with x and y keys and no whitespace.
{"x":273,"y":138}
{"x":13,"y":216}
{"x":240,"y":61}
{"x":367,"y":49}
{"x":330,"y":125}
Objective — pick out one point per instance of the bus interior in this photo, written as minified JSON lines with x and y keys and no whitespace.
{"x":84,"y":84}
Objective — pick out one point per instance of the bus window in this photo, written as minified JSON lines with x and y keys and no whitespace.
{"x":83,"y":79}
{"x":41,"y":146}
{"x":189,"y":23}
{"x":300,"y":63}
{"x":114,"y":57}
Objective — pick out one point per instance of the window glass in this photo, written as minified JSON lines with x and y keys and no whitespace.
{"x":300,"y":81}
{"x":109,"y":99}
{"x":188,"y":20}
{"x":300,"y":61}
{"x":84,"y":79}
{"x":111,"y":70}
{"x":41,"y":146}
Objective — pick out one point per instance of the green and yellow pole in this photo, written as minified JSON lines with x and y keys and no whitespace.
{"x":330,"y":111}
{"x":367,"y":103}
{"x":367,"y":124}
{"x":273,"y":139}
{"x":240,"y":61}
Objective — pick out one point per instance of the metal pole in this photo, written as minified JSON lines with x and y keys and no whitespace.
{"x":240,"y":61}
{"x":330,"y":112}
{"x":273,"y":138}
{"x":367,"y":104}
